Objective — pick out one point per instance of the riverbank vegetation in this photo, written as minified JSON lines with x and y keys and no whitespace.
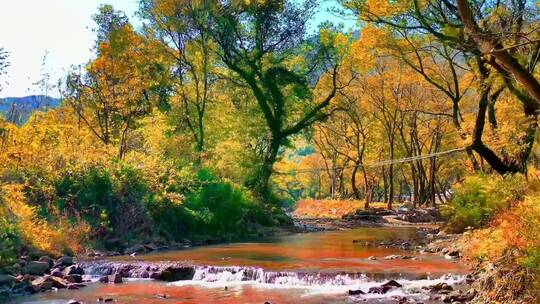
{"x":215,"y":118}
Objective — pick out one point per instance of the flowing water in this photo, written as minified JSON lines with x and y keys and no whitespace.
{"x":302,"y":268}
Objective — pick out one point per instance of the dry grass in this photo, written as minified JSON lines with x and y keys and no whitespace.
{"x":329,"y":208}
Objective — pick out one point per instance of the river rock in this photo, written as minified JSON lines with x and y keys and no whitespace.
{"x":104,"y":279}
{"x":74,"y":278}
{"x":405,"y":300}
{"x":380,"y":289}
{"x":47,"y":259}
{"x":137,"y":248}
{"x":355,"y":292}
{"x":174,"y":273}
{"x":454,"y":253}
{"x":73,"y":301}
{"x":115,"y":278}
{"x":470,"y":279}
{"x":26,"y":278}
{"x":440,"y":288}
{"x":105,"y":300}
{"x":7,"y":280}
{"x":64,"y":261}
{"x":36,"y":268}
{"x":391,"y":283}
{"x":150,"y":247}
{"x":459,"y":296}
{"x":56,"y":272}
{"x":74,"y":269}
{"x":47,"y":282}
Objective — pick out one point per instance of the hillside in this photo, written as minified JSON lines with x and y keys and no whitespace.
{"x":19,"y":109}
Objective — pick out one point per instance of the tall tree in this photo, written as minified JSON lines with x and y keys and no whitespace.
{"x":182,"y":27}
{"x":502,"y":33}
{"x":121,"y":84}
{"x":264,"y":44}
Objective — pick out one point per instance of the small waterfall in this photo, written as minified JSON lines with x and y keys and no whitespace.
{"x":312,"y":282}
{"x":211,"y":274}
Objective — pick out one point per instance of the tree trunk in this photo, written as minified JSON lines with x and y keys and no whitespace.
{"x":263,"y":184}
{"x":390,"y":187}
{"x":355,"y":190}
{"x":368,"y":191}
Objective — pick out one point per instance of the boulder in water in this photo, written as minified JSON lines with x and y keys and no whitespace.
{"x":356,"y":292}
{"x":74,"y":278}
{"x":380,"y":289}
{"x":64,"y":261}
{"x":174,"y":273}
{"x":74,"y":269}
{"x":391,"y":283}
{"x":115,"y":278}
{"x":440,"y":288}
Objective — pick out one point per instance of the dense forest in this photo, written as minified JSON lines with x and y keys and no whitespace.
{"x":216,"y":115}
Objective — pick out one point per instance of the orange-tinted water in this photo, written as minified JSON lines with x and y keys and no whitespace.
{"x":323,"y":251}
{"x":327,"y":253}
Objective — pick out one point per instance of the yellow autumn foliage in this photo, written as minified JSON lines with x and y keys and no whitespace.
{"x":49,"y":237}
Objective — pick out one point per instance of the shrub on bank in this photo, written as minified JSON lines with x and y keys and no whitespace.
{"x":208,"y":206}
{"x":220,"y":207}
{"x":24,"y":228}
{"x":479,"y":199}
{"x":117,"y":205}
{"x":120,"y":203}
{"x":113,"y":201}
{"x":10,"y":242}
{"x":509,"y":251}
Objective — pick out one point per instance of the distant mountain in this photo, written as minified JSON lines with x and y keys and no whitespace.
{"x":19,"y":109}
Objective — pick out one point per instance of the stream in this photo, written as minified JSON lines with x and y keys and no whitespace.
{"x":308,"y":268}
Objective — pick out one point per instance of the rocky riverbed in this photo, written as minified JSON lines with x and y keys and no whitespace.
{"x":34,"y":275}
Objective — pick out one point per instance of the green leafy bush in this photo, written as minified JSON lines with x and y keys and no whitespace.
{"x":88,"y":193}
{"x":10,"y":243}
{"x":217,"y":205}
{"x":208,"y":206}
{"x":479,"y":198}
{"x":121,"y":206}
{"x":114,"y":201}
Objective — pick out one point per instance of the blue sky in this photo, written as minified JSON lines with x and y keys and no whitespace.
{"x":63,"y":29}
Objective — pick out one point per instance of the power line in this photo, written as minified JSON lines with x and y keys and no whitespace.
{"x":368,"y":165}
{"x":379,"y":163}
